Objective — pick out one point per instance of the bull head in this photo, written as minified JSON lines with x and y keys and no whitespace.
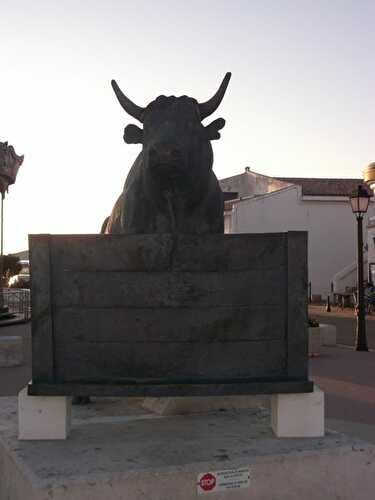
{"x":134,"y":135}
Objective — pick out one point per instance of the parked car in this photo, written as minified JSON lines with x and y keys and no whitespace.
{"x":21,"y":280}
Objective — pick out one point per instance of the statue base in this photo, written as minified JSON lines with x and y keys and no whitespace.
{"x":116,"y":449}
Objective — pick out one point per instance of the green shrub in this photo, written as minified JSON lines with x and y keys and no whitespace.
{"x":313,"y":323}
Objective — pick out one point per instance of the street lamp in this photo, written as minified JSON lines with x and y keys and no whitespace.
{"x":359,"y":201}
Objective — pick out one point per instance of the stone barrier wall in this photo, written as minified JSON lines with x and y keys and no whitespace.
{"x":168,"y":309}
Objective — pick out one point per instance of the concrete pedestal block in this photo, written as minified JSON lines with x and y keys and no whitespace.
{"x":314,"y":341}
{"x":43,"y":417}
{"x":327,"y":334}
{"x":11,"y":351}
{"x":116,"y":453}
{"x":204,"y":404}
{"x":298,"y":415}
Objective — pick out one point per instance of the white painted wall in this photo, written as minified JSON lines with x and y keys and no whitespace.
{"x":330,"y":223}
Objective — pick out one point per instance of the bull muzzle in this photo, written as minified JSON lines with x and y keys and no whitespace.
{"x":165,"y":157}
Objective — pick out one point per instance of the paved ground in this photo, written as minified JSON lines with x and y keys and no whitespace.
{"x":348,"y":380}
{"x":346,"y":376}
{"x":14,"y":379}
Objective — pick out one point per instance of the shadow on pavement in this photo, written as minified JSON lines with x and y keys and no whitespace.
{"x":13,"y":379}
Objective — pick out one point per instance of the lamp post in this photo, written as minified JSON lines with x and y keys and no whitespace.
{"x":359,"y":201}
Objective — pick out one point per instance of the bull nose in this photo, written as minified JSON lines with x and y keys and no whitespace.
{"x":165,"y":151}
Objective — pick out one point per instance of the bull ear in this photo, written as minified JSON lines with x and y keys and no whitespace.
{"x":133,"y":134}
{"x":212,"y":130}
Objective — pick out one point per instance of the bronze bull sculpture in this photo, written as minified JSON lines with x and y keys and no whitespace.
{"x":171,"y":187}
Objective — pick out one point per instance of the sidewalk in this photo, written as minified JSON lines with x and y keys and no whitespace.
{"x":348,"y":380}
{"x":346,"y":376}
{"x":345,"y":322}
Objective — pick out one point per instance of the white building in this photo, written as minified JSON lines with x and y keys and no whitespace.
{"x":263,"y":204}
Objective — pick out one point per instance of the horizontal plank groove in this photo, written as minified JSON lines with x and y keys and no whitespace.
{"x":169,"y":289}
{"x":169,"y":324}
{"x":139,"y":342}
{"x":171,"y":359}
{"x":123,"y":307}
{"x":146,"y":252}
{"x":154,"y":272}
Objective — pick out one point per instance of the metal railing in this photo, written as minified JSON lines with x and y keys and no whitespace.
{"x":18,"y":301}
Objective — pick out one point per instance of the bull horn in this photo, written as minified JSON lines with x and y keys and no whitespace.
{"x":210,"y":106}
{"x":129,"y":106}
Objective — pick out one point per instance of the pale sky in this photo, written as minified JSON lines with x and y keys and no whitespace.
{"x":300,"y":103}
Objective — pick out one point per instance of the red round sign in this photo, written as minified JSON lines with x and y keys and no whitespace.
{"x":207,"y":482}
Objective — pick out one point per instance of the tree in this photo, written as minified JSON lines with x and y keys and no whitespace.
{"x":10,"y":265}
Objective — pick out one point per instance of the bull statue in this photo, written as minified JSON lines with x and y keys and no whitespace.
{"x":171,"y":187}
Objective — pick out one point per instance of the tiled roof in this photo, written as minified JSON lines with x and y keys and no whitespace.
{"x":326,"y":187}
{"x":230,"y":195}
{"x":22,"y":255}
